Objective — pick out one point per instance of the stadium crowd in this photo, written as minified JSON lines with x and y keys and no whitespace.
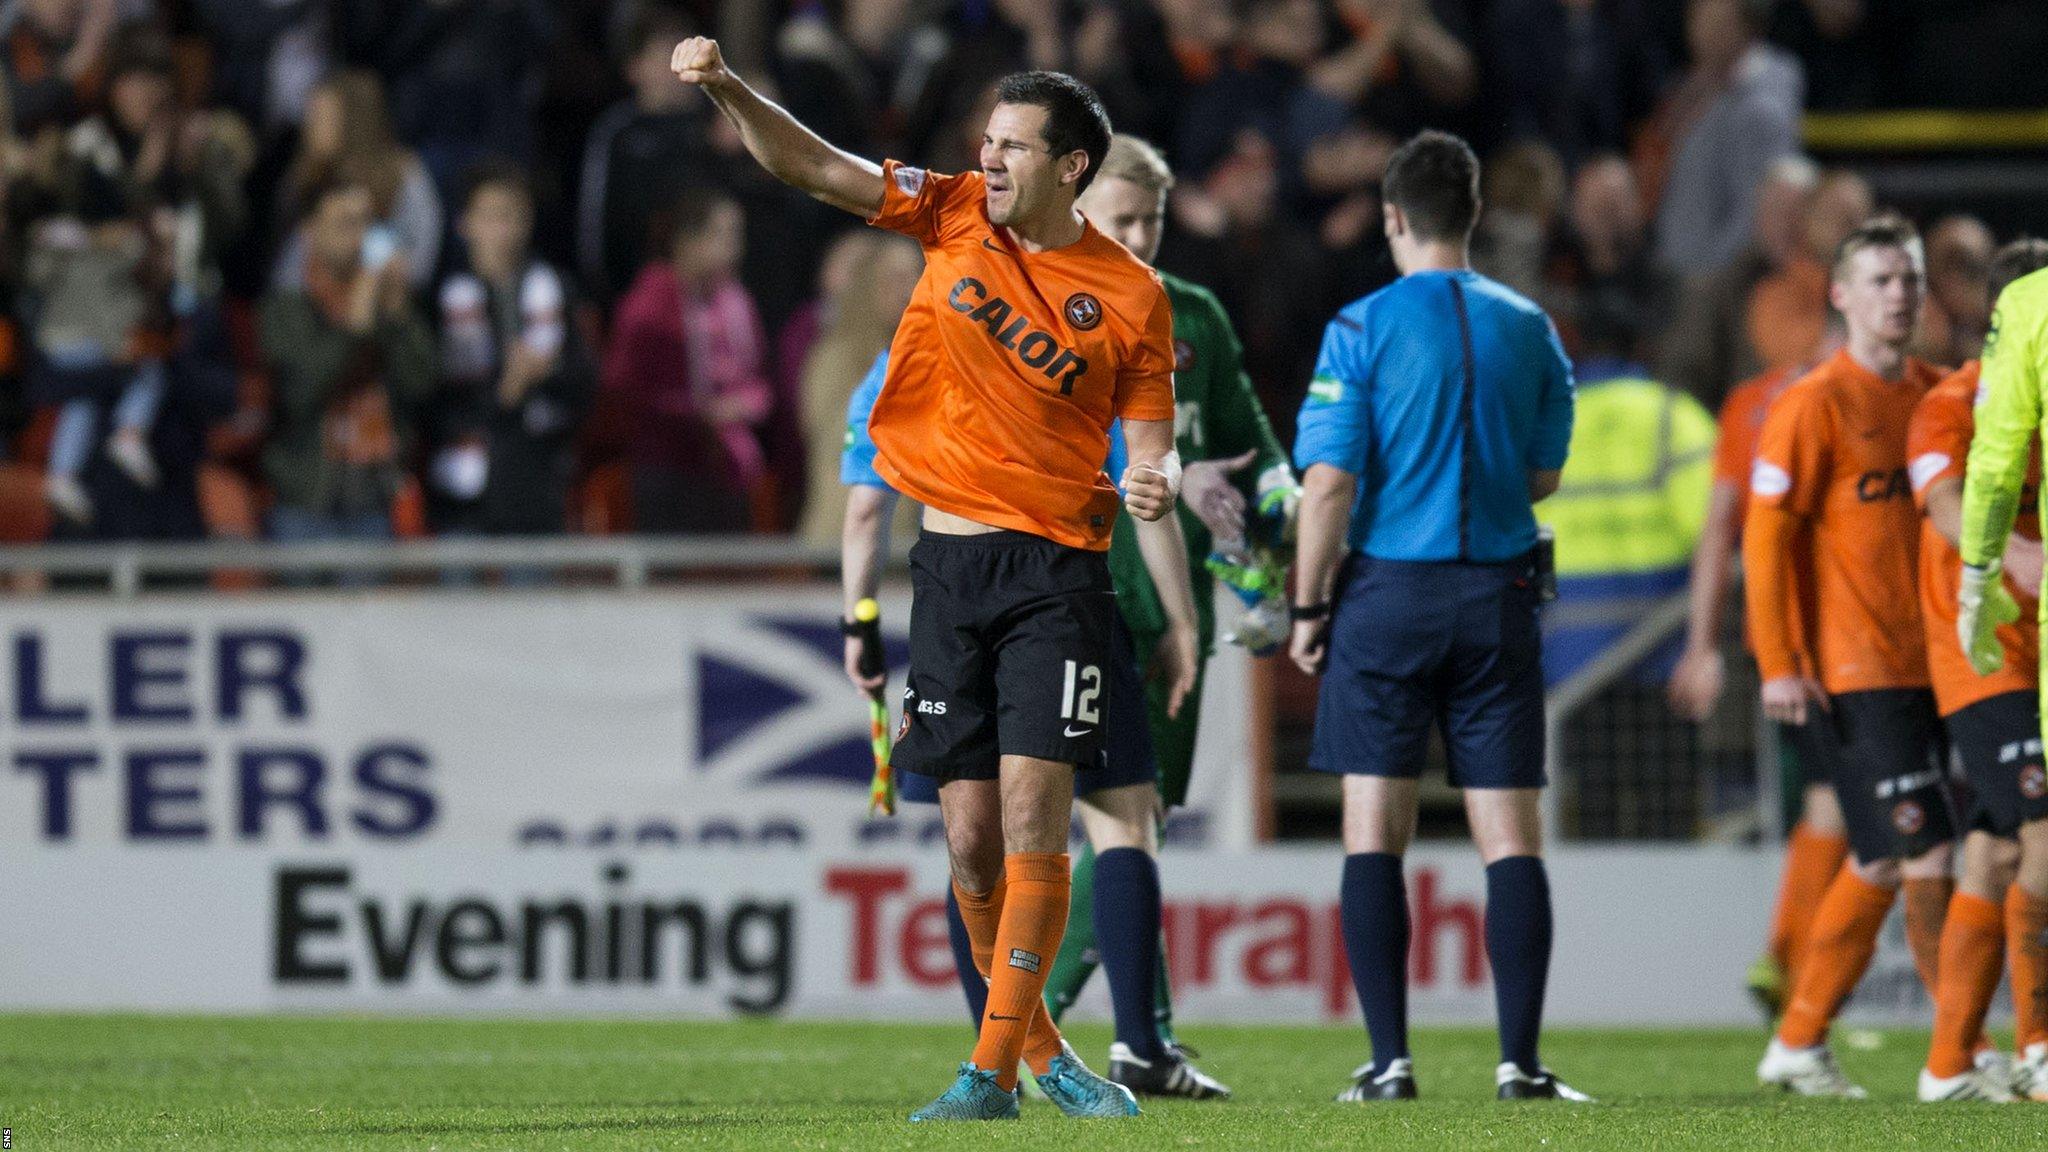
{"x":321,"y":269}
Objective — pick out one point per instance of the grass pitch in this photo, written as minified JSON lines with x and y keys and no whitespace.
{"x":101,"y":1082}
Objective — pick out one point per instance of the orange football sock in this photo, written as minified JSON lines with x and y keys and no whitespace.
{"x":1034,"y":919}
{"x":981,"y":914}
{"x":1844,"y":937}
{"x":1972,"y":959}
{"x":2026,"y":942}
{"x":1811,"y":861}
{"x":1926,"y":908}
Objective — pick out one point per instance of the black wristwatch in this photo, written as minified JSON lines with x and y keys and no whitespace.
{"x":1300,"y":612}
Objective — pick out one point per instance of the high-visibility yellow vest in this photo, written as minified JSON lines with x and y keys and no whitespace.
{"x":1635,"y":487}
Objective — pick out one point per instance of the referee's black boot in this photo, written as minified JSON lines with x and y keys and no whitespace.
{"x":1368,"y":1083}
{"x":1511,"y":1083}
{"x":1170,"y":1075}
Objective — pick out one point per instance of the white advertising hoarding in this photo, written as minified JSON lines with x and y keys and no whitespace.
{"x":653,"y":803}
{"x":706,"y":718}
{"x":1644,"y":936}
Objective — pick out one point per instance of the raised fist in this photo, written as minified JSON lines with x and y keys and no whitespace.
{"x":696,"y":61}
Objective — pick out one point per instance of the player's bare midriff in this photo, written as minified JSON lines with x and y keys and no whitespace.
{"x":951,"y":525}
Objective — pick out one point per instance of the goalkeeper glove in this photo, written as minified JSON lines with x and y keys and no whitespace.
{"x":1259,"y":581}
{"x":1279,"y":503}
{"x":1985,"y":606}
{"x":1252,"y":574}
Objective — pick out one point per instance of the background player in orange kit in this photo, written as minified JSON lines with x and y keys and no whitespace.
{"x":1028,"y":334}
{"x":1994,"y":722}
{"x":1818,"y":844}
{"x":1830,"y":503}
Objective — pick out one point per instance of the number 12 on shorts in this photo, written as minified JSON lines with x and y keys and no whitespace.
{"x":1082,"y":708}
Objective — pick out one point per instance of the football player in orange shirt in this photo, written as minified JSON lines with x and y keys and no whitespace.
{"x":1028,"y":334}
{"x":1994,"y":723}
{"x":1818,"y":843}
{"x":1832,"y":526}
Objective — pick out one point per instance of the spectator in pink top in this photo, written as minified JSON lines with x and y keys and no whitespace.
{"x":688,"y":361}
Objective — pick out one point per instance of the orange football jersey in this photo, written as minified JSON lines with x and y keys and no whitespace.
{"x":1009,"y":366}
{"x":1937,"y":448}
{"x":1833,"y":454}
{"x":1741,"y":423}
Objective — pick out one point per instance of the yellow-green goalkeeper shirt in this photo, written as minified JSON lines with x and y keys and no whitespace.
{"x":2010,"y":407}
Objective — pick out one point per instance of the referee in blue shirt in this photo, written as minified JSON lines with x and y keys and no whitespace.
{"x":1439,"y":413}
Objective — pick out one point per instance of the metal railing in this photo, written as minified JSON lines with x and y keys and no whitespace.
{"x":1617,"y":660}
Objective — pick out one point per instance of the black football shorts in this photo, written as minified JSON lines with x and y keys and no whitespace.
{"x":1999,"y":739}
{"x":1010,"y":655}
{"x":1891,"y":772}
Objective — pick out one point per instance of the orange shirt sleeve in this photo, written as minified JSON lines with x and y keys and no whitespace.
{"x":1144,"y":382}
{"x":1937,"y":441}
{"x":923,"y":205}
{"x":1735,"y":446}
{"x":1786,"y":485}
{"x":1770,"y":592}
{"x":1792,"y":455}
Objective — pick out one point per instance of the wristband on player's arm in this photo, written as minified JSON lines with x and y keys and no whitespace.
{"x":1302,"y":612}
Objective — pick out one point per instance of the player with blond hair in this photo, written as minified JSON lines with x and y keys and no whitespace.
{"x":1830,"y":557}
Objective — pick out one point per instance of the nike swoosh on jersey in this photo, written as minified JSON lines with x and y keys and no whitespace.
{"x":1071,"y":733}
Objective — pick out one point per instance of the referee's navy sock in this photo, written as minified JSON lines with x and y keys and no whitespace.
{"x":972,"y":985}
{"x":1374,"y":902}
{"x":1126,"y":917}
{"x":1518,"y":946}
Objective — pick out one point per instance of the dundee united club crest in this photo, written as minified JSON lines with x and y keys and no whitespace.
{"x":1083,"y":311}
{"x":1909,"y":817}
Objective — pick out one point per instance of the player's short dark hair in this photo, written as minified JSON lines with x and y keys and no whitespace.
{"x":1075,"y":120}
{"x":1884,"y":230}
{"x":1434,"y":180}
{"x":495,"y":172}
{"x":2022,"y":257}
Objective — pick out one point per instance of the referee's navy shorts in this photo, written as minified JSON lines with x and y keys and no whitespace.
{"x":1414,"y":644}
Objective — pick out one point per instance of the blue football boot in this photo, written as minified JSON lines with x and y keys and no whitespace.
{"x":974,"y":1096}
{"x":1079,"y":1092}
